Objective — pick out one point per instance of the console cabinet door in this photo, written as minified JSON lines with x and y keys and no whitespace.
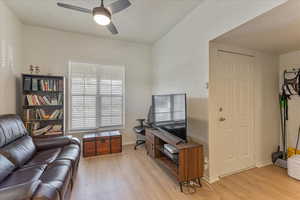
{"x":150,"y":147}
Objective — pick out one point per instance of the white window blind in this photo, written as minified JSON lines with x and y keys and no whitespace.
{"x":96,"y":96}
{"x":169,"y":108}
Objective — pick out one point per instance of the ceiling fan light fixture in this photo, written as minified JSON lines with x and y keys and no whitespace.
{"x":102,"y":16}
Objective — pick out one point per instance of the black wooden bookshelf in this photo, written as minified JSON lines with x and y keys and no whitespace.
{"x":43,"y":104}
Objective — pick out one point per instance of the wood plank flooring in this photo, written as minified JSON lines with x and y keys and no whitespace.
{"x":132,"y":175}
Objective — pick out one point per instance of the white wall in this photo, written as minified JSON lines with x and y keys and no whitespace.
{"x":289,"y":61}
{"x":266,"y":107}
{"x":10,"y":59}
{"x":181,"y":57}
{"x":52,"y":50}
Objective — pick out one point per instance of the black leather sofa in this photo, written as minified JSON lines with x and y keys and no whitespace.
{"x":35,"y":169}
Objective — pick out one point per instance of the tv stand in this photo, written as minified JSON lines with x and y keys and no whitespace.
{"x":189,"y":165}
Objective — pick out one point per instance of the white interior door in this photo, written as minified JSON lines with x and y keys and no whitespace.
{"x":234,"y":116}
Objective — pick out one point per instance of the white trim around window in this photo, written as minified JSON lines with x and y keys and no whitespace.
{"x":96,"y":97}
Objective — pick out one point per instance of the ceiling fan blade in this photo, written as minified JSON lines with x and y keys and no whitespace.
{"x":118,"y":6}
{"x":112,"y":28}
{"x":85,"y":10}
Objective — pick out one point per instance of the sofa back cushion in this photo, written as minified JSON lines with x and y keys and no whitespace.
{"x":19,"y":151}
{"x":11,"y":128}
{"x":6,"y":167}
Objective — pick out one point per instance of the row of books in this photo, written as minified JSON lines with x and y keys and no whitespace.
{"x":34,"y":84}
{"x":48,"y":130}
{"x":34,"y":100}
{"x":40,"y":114}
{"x":36,"y":129}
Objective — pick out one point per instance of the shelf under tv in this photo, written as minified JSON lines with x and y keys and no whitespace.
{"x":169,"y":165}
{"x":174,"y":158}
{"x":190,"y":163}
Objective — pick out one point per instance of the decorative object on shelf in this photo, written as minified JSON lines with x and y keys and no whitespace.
{"x":43,"y":104}
{"x":31,"y":69}
{"x":34,"y":69}
{"x":37,"y":69}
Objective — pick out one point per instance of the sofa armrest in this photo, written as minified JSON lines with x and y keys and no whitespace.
{"x":46,"y":192}
{"x":23,"y":191}
{"x":75,"y":140}
{"x":53,"y":142}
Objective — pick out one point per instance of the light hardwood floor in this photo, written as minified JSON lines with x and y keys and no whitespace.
{"x":134,"y":176}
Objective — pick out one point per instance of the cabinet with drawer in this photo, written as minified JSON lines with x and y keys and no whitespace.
{"x":102,"y":143}
{"x":116,"y":142}
{"x":89,"y":147}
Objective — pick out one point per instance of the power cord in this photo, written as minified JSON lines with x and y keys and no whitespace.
{"x":297,"y":141}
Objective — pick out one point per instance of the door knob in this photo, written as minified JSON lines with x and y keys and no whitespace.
{"x":222,"y":119}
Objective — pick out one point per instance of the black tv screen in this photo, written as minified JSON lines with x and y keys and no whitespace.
{"x":169,"y":114}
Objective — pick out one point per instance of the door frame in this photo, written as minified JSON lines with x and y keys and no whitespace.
{"x":214,"y":174}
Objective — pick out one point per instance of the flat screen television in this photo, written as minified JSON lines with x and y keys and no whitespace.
{"x":169,"y":114}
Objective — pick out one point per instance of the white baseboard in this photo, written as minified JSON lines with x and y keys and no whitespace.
{"x":263,"y":163}
{"x":128,"y":143}
{"x":211,"y":180}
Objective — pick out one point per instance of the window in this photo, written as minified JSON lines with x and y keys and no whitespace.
{"x":169,"y":108}
{"x":96,"y":96}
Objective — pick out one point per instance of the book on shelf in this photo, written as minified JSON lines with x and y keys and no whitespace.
{"x":51,"y":85}
{"x":34,"y":84}
{"x":41,"y":131}
{"x":40,"y":114}
{"x":27,"y":84}
{"x":48,"y":130}
{"x":40,"y":84}
{"x":56,"y":128}
{"x":43,"y":104}
{"x":35,"y":100}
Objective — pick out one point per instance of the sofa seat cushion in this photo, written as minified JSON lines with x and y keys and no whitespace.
{"x":69,"y":152}
{"x":44,"y":157}
{"x":6,"y":167}
{"x":58,"y":175}
{"x":23,"y":175}
{"x":22,"y":191}
{"x":46,"y":192}
{"x":19,"y":151}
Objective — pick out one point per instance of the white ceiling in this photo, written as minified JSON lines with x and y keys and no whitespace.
{"x":277,"y":31}
{"x":144,"y":21}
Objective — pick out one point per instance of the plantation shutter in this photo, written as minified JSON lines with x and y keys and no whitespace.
{"x":163,"y":108}
{"x":97,"y":96}
{"x":111,"y":96}
{"x":169,"y":108}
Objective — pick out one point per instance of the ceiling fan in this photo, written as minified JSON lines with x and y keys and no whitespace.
{"x":102,"y":15}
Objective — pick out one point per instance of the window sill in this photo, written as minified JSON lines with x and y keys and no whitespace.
{"x":121,"y":128}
